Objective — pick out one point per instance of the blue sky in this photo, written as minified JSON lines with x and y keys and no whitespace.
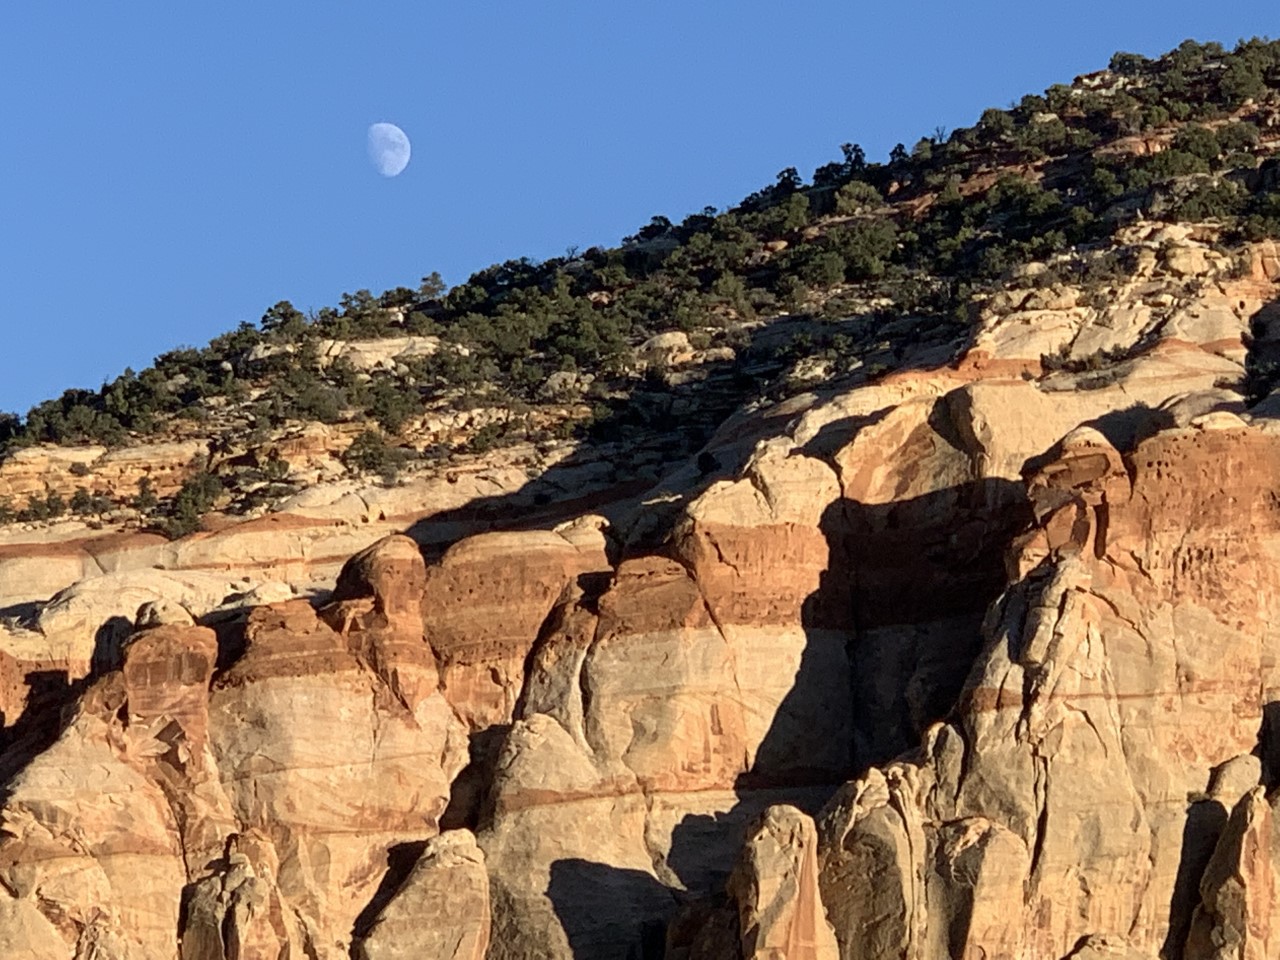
{"x":170,"y":169}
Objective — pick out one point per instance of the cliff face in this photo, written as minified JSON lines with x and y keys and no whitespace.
{"x":976,"y":658}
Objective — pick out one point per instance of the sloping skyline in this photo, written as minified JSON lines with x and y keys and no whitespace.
{"x":169,"y":173}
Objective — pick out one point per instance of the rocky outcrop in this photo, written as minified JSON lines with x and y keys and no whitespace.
{"x":37,"y":471}
{"x":872,"y":828}
{"x":650,"y":717}
{"x":486,"y":601}
{"x":94,"y":831}
{"x":441,"y":912}
{"x":936,"y":463}
{"x":972,"y":659}
{"x":1239,"y":888}
{"x":780,"y":912}
{"x":237,"y":910}
{"x":66,"y":591}
{"x":255,"y":809}
{"x":1131,"y":658}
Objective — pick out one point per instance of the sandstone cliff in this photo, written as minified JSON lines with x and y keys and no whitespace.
{"x":974,"y":659}
{"x":884,"y":569}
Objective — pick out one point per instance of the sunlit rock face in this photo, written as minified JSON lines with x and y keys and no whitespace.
{"x":775,"y":883}
{"x":995,"y":571}
{"x":976,"y":658}
{"x":1128,"y":670}
{"x":251,"y":812}
{"x":485,"y":602}
{"x":440,"y":912}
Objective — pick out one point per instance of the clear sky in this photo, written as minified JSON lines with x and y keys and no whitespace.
{"x":168,"y":169}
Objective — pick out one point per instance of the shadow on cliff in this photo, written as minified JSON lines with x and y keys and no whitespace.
{"x":1206,"y":820}
{"x":401,"y":859}
{"x":50,"y":703}
{"x":20,"y":613}
{"x":1262,"y":361}
{"x":610,"y":913}
{"x":52,"y":695}
{"x":1204,"y":824}
{"x":890,"y":636}
{"x":661,"y":425}
{"x":899,"y":611}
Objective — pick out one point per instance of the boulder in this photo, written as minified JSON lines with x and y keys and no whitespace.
{"x":440,"y":912}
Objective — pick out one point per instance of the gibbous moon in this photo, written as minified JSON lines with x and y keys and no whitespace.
{"x":388,"y":149}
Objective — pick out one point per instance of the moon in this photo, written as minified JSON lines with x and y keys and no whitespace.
{"x":388,"y":149}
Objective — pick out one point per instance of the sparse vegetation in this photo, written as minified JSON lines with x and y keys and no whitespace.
{"x":193,"y":500}
{"x":370,"y":453}
{"x":146,"y":500}
{"x":1187,"y":136}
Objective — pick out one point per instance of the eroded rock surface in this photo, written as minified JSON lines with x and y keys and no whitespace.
{"x":974,"y":659}
{"x":251,"y":811}
{"x":441,"y":912}
{"x":1133,"y":657}
{"x":780,"y":912}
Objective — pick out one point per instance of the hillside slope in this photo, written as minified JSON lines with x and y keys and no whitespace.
{"x":887,"y":568}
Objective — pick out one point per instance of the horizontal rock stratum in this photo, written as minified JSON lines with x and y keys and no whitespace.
{"x":975,"y":659}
